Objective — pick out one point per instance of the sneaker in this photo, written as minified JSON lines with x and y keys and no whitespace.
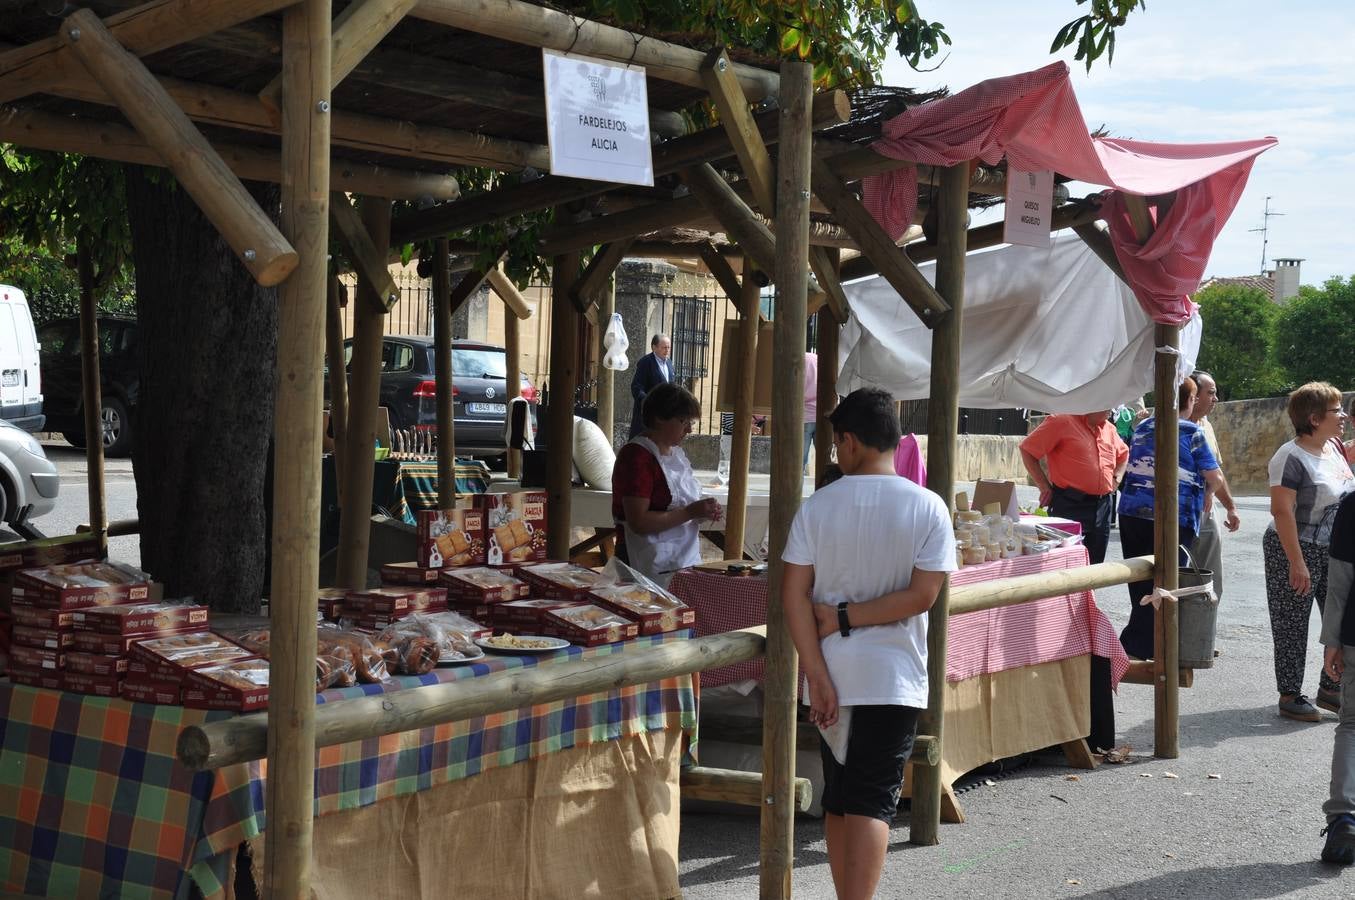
{"x":1328,"y":700}
{"x":1339,"y":850}
{"x":1298,"y":707}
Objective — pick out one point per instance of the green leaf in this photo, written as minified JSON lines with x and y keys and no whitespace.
{"x":790,"y":40}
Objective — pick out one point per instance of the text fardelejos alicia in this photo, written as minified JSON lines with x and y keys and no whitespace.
{"x":603,"y":143}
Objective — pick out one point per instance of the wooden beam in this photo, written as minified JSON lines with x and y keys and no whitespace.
{"x":738,"y":220}
{"x":364,"y":396}
{"x":1139,"y":216}
{"x":717,"y":73}
{"x":204,"y":175}
{"x":564,"y":379}
{"x":724,"y":275}
{"x":143,"y":30}
{"x":356,"y":32}
{"x":825,"y":266}
{"x":470,"y":282}
{"x":442,"y":370}
{"x":236,"y":109}
{"x":788,"y":349}
{"x":597,"y":274}
{"x":733,"y":786}
{"x":368,"y":260}
{"x":539,"y":26}
{"x":297,"y":445}
{"x":741,"y":442}
{"x":1166,"y":543}
{"x":238,"y":739}
{"x":508,"y":292}
{"x":942,"y":424}
{"x":106,"y":140}
{"x":512,"y":352}
{"x":338,"y":375}
{"x":1004,"y":592}
{"x":92,"y":393}
{"x":1096,"y":237}
{"x":830,"y":337}
{"x":1068,"y":216}
{"x":1144,"y":671}
{"x":900,"y":271}
{"x":830,"y":108}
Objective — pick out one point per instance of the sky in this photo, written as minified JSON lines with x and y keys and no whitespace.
{"x":1201,"y":71}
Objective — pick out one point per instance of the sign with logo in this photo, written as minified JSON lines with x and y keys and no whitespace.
{"x":1030,"y":204}
{"x":597,"y":119}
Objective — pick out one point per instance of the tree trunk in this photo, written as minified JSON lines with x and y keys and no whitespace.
{"x":204,"y":417}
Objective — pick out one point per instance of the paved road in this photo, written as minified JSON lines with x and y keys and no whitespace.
{"x":1115,"y":832}
{"x":72,"y":506}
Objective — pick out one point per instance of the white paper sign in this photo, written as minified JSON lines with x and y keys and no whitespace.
{"x":1030,"y":204}
{"x":597,"y":119}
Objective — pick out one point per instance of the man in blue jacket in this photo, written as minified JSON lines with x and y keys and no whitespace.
{"x":653,"y":369}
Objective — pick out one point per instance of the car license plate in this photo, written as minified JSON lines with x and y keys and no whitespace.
{"x":487,"y":409}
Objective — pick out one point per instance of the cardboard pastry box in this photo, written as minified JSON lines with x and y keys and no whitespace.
{"x":515,"y":527}
{"x":450,"y":537}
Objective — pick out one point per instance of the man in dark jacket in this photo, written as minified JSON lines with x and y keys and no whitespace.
{"x":653,"y":369}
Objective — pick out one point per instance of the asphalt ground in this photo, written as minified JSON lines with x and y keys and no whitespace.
{"x":1240,"y":819}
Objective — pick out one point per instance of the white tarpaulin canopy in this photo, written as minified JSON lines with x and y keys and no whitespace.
{"x":1050,"y":329}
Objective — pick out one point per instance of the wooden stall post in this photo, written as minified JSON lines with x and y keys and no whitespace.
{"x":338,"y":376}
{"x":606,"y":393}
{"x":830,"y":333}
{"x":943,"y":415}
{"x":512,"y":351}
{"x":364,"y":392}
{"x":92,"y":390}
{"x":1166,"y":537}
{"x":792,"y":298}
{"x":741,"y":442}
{"x":296,"y":450}
{"x":442,"y":350}
{"x":564,"y":378}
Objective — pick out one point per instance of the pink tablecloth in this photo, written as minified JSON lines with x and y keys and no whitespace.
{"x":990,"y":641}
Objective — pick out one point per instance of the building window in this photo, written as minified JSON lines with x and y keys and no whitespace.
{"x":691,"y":338}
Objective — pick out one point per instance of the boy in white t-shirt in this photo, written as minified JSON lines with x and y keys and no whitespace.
{"x":865,"y":559}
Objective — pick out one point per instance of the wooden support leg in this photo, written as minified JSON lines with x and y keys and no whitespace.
{"x":1079,"y":755}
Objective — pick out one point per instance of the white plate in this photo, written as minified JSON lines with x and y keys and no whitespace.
{"x":460,"y":660}
{"x":492,"y":409}
{"x":554,"y":644}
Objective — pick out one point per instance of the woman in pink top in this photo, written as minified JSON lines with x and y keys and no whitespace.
{"x":811,"y":403}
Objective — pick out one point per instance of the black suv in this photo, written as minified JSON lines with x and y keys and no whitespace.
{"x":119,"y":376}
{"x":479,"y":389}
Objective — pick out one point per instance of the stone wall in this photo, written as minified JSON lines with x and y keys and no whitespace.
{"x":1249,"y":432}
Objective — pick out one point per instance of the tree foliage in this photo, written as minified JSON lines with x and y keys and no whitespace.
{"x":52,"y":203}
{"x":1315,"y":334}
{"x":1239,"y":328}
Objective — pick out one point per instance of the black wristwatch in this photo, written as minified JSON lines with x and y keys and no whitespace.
{"x":844,"y":626}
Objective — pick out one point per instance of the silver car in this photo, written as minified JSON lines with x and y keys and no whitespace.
{"x":28,"y":479}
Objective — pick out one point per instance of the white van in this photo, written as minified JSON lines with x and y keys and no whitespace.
{"x":20,"y":378}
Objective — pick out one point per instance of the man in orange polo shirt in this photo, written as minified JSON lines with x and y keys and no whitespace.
{"x":1086,"y":461}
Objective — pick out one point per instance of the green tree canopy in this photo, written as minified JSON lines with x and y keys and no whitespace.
{"x":1239,"y":329}
{"x":1315,"y":334}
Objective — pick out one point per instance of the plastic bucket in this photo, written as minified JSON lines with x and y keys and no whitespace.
{"x":1197,"y":617}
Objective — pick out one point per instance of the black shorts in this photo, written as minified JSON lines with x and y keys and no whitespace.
{"x":878,"y":747}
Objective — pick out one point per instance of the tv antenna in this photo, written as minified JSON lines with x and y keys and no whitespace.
{"x":1265,"y":232}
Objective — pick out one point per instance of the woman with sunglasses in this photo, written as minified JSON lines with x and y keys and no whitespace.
{"x":1308,"y":477}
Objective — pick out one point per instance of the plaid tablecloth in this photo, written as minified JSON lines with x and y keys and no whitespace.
{"x":413,"y":486}
{"x":1054,"y":628}
{"x":92,"y":802}
{"x":989,"y":641}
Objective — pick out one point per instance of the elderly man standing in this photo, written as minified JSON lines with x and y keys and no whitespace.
{"x":1086,"y":460}
{"x":1208,"y":548}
